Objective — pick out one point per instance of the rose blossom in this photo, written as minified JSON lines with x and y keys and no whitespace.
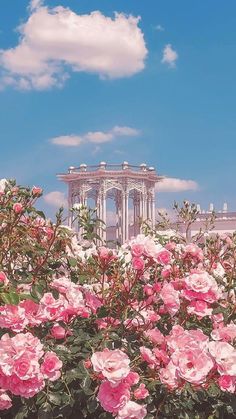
{"x":226,"y":333}
{"x":3,"y":278}
{"x":131,"y":379}
{"x":164,"y":257}
{"x":227,"y":383}
{"x":138,"y":263}
{"x":155,"y":336}
{"x":201,"y":286}
{"x":113,"y":364}
{"x":225,"y":357}
{"x":141,"y":392}
{"x":58,"y":332}
{"x":51,"y":366}
{"x":36,"y":190}
{"x":169,"y":376}
{"x":17,"y":207}
{"x":137,"y":249}
{"x":200,"y":308}
{"x":113,"y":398}
{"x":132,"y":410}
{"x":170,"y":298}
{"x":5,"y":401}
{"x":193,"y":365}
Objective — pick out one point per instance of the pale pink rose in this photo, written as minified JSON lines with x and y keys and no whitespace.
{"x":200,"y":308}
{"x":170,"y":298}
{"x":31,"y":312}
{"x":17,"y":207}
{"x":161,"y":355}
{"x":148,"y":356}
{"x":170,"y":246}
{"x":193,"y":365}
{"x":104,"y":252}
{"x":3,"y":278}
{"x":138,"y":264}
{"x":144,"y":316}
{"x":132,"y":410}
{"x":155,"y":336}
{"x":51,"y":366}
{"x":226,"y":333}
{"x":137,"y":249}
{"x":169,"y":376}
{"x":13,"y":317}
{"x":113,"y":398}
{"x":131,"y":379}
{"x":58,"y":332}
{"x":194,"y":251}
{"x":141,"y":392}
{"x":165,"y":273}
{"x":181,"y":339}
{"x":227,"y":383}
{"x":26,"y":367}
{"x":113,"y":364}
{"x":164,"y":257}
{"x":27,"y":388}
{"x":92,"y":301}
{"x":148,"y":289}
{"x":36,"y":190}
{"x":62,"y":284}
{"x":225,"y":357}
{"x":5,"y":401}
{"x":201,"y":286}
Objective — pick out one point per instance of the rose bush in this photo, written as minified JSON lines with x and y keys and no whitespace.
{"x":144,"y":331}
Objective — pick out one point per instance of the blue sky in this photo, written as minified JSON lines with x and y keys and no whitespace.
{"x":68,"y":75}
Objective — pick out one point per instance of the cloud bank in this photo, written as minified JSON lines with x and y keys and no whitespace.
{"x":176,"y":185}
{"x":54,"y":42}
{"x":95,"y":137}
{"x":56,"y":199}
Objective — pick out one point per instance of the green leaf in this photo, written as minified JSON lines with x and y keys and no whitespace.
{"x":55,"y":398}
{"x":37,"y":291}
{"x":10,"y":298}
{"x":72,"y":262}
{"x":92,"y":405}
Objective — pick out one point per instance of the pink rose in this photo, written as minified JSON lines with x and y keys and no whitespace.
{"x":155,"y":336}
{"x":194,"y":251}
{"x":112,"y":398}
{"x":58,"y":332}
{"x":26,"y":367}
{"x":170,"y":298}
{"x":141,"y":392}
{"x":138,"y":264}
{"x":3,"y":278}
{"x":137,"y":249}
{"x":169,"y":376}
{"x":131,"y":379}
{"x":51,"y":366}
{"x":17,"y":207}
{"x":13,"y":317}
{"x":113,"y":364}
{"x":5,"y":401}
{"x":199,"y":308}
{"x":201,"y":286}
{"x":193,"y":365}
{"x":132,"y":410}
{"x":36,"y":190}
{"x":226,"y":333}
{"x":225,"y":357}
{"x":148,"y":356}
{"x":164,"y":257}
{"x":227,"y":383}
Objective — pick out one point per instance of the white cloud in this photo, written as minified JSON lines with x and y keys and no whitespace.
{"x":176,"y":185}
{"x":54,"y":41}
{"x":170,"y":56}
{"x":56,"y":199}
{"x":97,"y":137}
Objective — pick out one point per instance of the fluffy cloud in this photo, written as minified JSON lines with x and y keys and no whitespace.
{"x":54,"y":41}
{"x":56,"y":199}
{"x":176,"y":185}
{"x":96,"y":137}
{"x":170,"y":56}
